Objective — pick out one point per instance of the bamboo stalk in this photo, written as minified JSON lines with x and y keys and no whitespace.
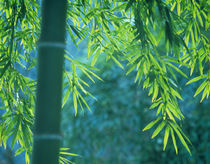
{"x":51,"y":46}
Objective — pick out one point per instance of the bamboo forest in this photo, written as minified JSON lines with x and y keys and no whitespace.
{"x":104,"y":81}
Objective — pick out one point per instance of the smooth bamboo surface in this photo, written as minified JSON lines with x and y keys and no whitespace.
{"x":49,"y":86}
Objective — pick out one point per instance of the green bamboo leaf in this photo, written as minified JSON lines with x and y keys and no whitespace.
{"x":152,"y":38}
{"x":205,"y":93}
{"x":169,"y":114}
{"x":174,"y":140}
{"x":87,"y":75}
{"x":199,"y":18}
{"x":119,"y":7}
{"x":92,"y":49}
{"x":72,"y":36}
{"x":19,"y":151}
{"x":63,"y":152}
{"x":2,"y":72}
{"x":95,"y":57}
{"x":200,"y":88}
{"x":146,"y":83}
{"x":64,"y":149}
{"x":151,"y":124}
{"x":137,"y":76}
{"x":117,"y":62}
{"x":196,"y":79}
{"x":83,"y":82}
{"x":155,"y":61}
{"x":151,"y":90}
{"x":68,"y":91}
{"x":177,"y":126}
{"x":80,"y":103}
{"x":71,"y":154}
{"x":180,"y":137}
{"x":173,"y":110}
{"x":15,"y":133}
{"x":155,"y":104}
{"x":80,"y":64}
{"x":175,"y":93}
{"x":61,"y":161}
{"x":145,"y":68}
{"x":155,"y":93}
{"x":131,"y":69}
{"x":178,"y":8}
{"x":74,"y":72}
{"x":129,"y":4}
{"x":96,"y":76}
{"x":27,"y":159}
{"x":140,"y":75}
{"x":75,"y":100}
{"x":11,"y":124}
{"x":26,"y":136}
{"x":83,"y":100}
{"x":76,"y":31}
{"x":165,"y":141}
{"x":131,"y":61}
{"x":159,"y":128}
{"x":177,"y":69}
{"x":81,"y":87}
{"x":159,"y":109}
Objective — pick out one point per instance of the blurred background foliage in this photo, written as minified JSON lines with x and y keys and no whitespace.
{"x":112,"y":132}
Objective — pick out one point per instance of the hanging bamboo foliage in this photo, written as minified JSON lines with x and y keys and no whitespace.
{"x":50,"y":67}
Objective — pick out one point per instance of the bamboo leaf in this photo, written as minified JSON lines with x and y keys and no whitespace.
{"x":129,"y":4}
{"x":75,"y":100}
{"x":15,"y":133}
{"x":177,"y":69}
{"x":96,"y":76}
{"x":95,"y":57}
{"x":83,"y":100}
{"x":177,"y":126}
{"x":68,"y":91}
{"x":196,"y":79}
{"x":205,"y":92}
{"x":180,"y":137}
{"x":169,"y":114}
{"x":19,"y":151}
{"x":173,"y":110}
{"x":174,"y":140}
{"x":174,"y":92}
{"x":131,"y":69}
{"x":155,"y":104}
{"x":200,"y":88}
{"x":159,"y":108}
{"x":167,"y":132}
{"x":27,"y":159}
{"x":155,"y":93}
{"x":151,"y":124}
{"x":66,"y":153}
{"x":158,"y":129}
{"x":178,"y":8}
{"x":117,"y":62}
{"x":87,"y":75}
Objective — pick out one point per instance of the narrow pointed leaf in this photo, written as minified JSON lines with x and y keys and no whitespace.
{"x":159,"y":128}
{"x":165,"y":141}
{"x":151,"y":124}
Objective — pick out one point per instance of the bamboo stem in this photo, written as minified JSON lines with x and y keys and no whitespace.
{"x":49,"y":86}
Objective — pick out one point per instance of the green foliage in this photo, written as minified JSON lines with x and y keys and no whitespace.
{"x":63,"y":153}
{"x":111,"y":133}
{"x":154,"y":38}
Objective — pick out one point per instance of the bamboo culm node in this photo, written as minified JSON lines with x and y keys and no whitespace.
{"x":52,"y":44}
{"x":47,"y":137}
